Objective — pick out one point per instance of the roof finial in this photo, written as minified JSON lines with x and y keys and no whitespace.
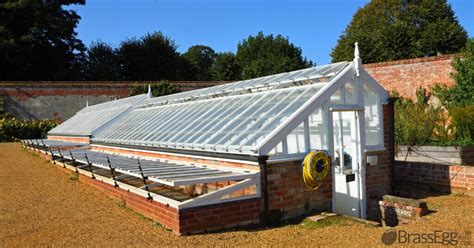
{"x":87,"y":103}
{"x":357,"y":60}
{"x":149,"y":91}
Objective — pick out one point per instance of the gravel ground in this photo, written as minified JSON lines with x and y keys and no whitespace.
{"x":41,"y":205}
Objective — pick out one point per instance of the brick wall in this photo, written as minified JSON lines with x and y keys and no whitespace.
{"x":413,"y":178}
{"x":70,"y":138}
{"x":405,"y":76}
{"x":61,"y":100}
{"x":288,"y":196}
{"x":183,"y":221}
{"x":219,"y":216}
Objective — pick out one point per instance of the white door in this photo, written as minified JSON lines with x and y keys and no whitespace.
{"x":347,"y":195}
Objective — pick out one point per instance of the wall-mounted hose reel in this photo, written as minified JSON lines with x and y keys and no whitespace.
{"x":316,"y":166}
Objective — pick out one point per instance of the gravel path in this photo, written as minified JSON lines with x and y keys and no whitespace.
{"x":41,"y":205}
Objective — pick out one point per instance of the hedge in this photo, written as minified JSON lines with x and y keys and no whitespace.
{"x":12,"y":129}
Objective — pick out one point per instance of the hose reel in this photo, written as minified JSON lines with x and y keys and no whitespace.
{"x":316,"y":166}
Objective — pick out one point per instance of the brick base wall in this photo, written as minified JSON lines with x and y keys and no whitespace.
{"x":182,"y":221}
{"x":415,"y":177}
{"x":288,"y":196}
{"x":219,"y":216}
{"x":70,"y":138}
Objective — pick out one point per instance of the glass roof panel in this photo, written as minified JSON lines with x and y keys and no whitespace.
{"x":323,"y":73}
{"x":90,"y":118}
{"x":216,"y":124}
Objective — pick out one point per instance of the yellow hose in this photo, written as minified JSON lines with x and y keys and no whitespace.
{"x":316,"y":166}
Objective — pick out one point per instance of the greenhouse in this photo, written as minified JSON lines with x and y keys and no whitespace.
{"x":242,"y":144}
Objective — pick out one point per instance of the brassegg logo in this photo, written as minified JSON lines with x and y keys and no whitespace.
{"x":391,"y":236}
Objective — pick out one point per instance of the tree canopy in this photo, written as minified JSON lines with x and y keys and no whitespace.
{"x":391,"y":30}
{"x":200,"y":59}
{"x":225,"y":67}
{"x":38,"y":41}
{"x":152,"y":57}
{"x":102,"y":63}
{"x":263,"y":55}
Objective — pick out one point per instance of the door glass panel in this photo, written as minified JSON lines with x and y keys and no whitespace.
{"x":344,"y":141}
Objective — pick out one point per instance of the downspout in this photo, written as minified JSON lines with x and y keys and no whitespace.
{"x":262,"y":162}
{"x":391,"y":104}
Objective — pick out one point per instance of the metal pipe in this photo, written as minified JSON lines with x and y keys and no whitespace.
{"x":391,"y":105}
{"x":262,"y":162}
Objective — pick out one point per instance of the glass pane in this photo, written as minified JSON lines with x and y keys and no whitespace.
{"x":295,"y":140}
{"x":372,"y":107}
{"x":350,"y":96}
{"x":343,"y":140}
{"x":336,"y":98}
{"x":317,"y":131}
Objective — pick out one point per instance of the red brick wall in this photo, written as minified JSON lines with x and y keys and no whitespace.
{"x":61,"y":100}
{"x":90,"y":88}
{"x":288,"y":196}
{"x":415,"y":177}
{"x":70,"y":138}
{"x":185,"y":221}
{"x":405,"y":76}
{"x":219,"y":216}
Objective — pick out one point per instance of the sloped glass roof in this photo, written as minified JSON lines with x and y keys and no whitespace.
{"x":226,"y":124}
{"x":90,"y":118}
{"x":312,"y":75}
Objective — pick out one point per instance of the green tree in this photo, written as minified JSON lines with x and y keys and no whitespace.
{"x":102,"y":63}
{"x":263,"y":55}
{"x":38,"y":41}
{"x":391,"y":30}
{"x":225,"y":67}
{"x":459,"y":99}
{"x":201,"y":59}
{"x":152,"y":57}
{"x":462,"y":93}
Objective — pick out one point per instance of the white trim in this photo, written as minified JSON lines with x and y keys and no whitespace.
{"x":178,"y":155}
{"x":215,"y":196}
{"x":267,"y":144}
{"x":341,"y":108}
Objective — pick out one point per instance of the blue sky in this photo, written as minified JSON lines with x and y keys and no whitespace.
{"x":312,"y":25}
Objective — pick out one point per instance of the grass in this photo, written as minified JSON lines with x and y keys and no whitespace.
{"x":74,"y":176}
{"x":330,"y":221}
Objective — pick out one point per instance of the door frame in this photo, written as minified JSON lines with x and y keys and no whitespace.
{"x":360,"y":132}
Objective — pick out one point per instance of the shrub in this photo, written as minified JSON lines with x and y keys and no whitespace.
{"x":463,"y":123}
{"x":12,"y":129}
{"x":419,"y":123}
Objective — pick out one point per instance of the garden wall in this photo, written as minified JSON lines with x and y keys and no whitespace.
{"x":434,"y":169}
{"x":418,"y":178}
{"x":406,"y":76}
{"x":61,"y":100}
